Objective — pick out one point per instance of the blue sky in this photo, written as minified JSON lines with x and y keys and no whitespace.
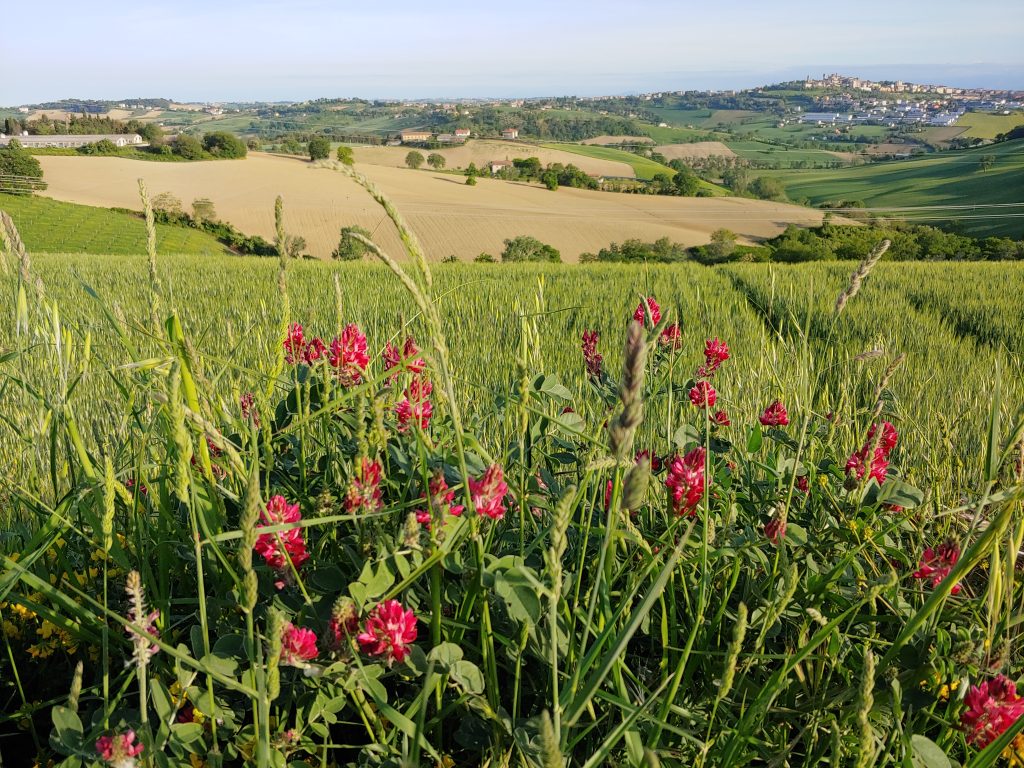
{"x":230,"y":50}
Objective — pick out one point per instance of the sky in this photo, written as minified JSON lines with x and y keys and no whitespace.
{"x":227,"y":50}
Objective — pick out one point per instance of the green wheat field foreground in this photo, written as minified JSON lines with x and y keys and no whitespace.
{"x":460,"y":534}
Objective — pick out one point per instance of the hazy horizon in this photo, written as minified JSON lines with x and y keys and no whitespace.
{"x":258,"y":52}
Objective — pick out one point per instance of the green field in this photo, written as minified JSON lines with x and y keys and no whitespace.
{"x":984,"y":125}
{"x":943,"y":179}
{"x":760,"y":152}
{"x":51,"y":226}
{"x":642,"y":166}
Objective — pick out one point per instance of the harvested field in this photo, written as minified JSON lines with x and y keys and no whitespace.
{"x":697,"y":150}
{"x":483,"y":152}
{"x":603,"y":140}
{"x":449,"y":217}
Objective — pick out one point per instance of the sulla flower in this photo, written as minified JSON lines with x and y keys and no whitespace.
{"x":888,"y":438}
{"x":591,"y":356}
{"x":247,"y":402}
{"x":315,"y":350}
{"x":877,"y":469}
{"x":685,"y":481}
{"x":298,"y":646}
{"x":716,"y":352}
{"x":282,"y":547}
{"x":364,"y":493}
{"x":703,"y":395}
{"x":775,"y":530}
{"x":655,"y":461}
{"x":294,"y":344}
{"x":488,"y":493}
{"x":671,"y":337}
{"x":439,"y":501}
{"x":119,"y":750}
{"x":403,"y":360}
{"x":641,"y":314}
{"x":416,"y":407}
{"x":721,"y":419}
{"x":992,"y":707}
{"x":348,"y":355}
{"x":935,"y":564}
{"x":803,"y":484}
{"x":775,"y":415}
{"x":388,"y":632}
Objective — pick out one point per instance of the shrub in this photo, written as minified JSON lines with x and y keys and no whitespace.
{"x":526,"y":248}
{"x":224,"y":144}
{"x":188,"y":147}
{"x":349,"y":248}
{"x":20,"y":173}
{"x":414,"y":159}
{"x":319,"y":148}
{"x":345,"y":155}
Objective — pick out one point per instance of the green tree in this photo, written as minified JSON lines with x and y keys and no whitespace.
{"x":526,"y":248}
{"x":101,"y":147}
{"x":985,"y":162}
{"x":550,"y":180}
{"x":188,"y":147}
{"x":722,"y":245}
{"x":414,"y":159}
{"x":686,"y":183}
{"x":345,"y":156}
{"x":471,"y":181}
{"x":20,"y":173}
{"x":436,"y":161}
{"x":484,"y":258}
{"x":349,"y":248}
{"x":768,"y":188}
{"x":224,"y":144}
{"x":319,"y":148}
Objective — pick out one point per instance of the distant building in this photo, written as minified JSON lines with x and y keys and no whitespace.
{"x":67,"y":140}
{"x":498,"y":165}
{"x":462,"y":133}
{"x":510,"y":133}
{"x":416,"y":135}
{"x":449,"y":138}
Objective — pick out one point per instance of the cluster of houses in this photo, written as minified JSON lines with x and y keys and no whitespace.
{"x":884,"y":116}
{"x":72,"y":140}
{"x":420,"y":136}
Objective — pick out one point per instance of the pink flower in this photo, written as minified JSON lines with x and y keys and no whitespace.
{"x":685,"y":481}
{"x":294,"y":343}
{"x":348,"y":355}
{"x":608,"y":487}
{"x":120,"y":750}
{"x":439,"y":501}
{"x":641,"y":315}
{"x":281,"y":547}
{"x":888,"y":439}
{"x":716,"y":352}
{"x":403,"y":360}
{"x":936,"y":564}
{"x":149,"y":630}
{"x":489,"y":492}
{"x":591,"y":356}
{"x":721,"y":419}
{"x":389,"y":631}
{"x":775,"y":530}
{"x":671,"y":337}
{"x":992,"y":707}
{"x":649,"y":455}
{"x":416,"y":407}
{"x":703,"y":395}
{"x":803,"y":484}
{"x":364,"y":493}
{"x":878,"y":469}
{"x":315,"y":350}
{"x":130,"y":484}
{"x":775,"y":415}
{"x":298,"y":645}
{"x":247,"y":402}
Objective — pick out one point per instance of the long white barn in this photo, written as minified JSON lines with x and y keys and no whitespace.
{"x":73,"y":140}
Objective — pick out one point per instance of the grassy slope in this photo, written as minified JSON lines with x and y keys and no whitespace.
{"x":983,"y":125}
{"x":948,"y":178}
{"x":51,"y":226}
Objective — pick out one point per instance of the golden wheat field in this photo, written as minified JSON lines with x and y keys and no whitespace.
{"x":696,"y":150}
{"x":448,"y":216}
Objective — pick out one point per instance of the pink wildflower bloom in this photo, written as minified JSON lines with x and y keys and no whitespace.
{"x":298,"y":645}
{"x":247,"y":402}
{"x":149,"y":630}
{"x":608,"y":487}
{"x":716,"y":352}
{"x":389,"y":631}
{"x":416,"y":407}
{"x":877,"y":469}
{"x":685,"y":481}
{"x":282,"y":547}
{"x":488,"y":493}
{"x":936,"y":564}
{"x":721,"y":419}
{"x":348,"y":354}
{"x":992,"y":708}
{"x":405,"y":359}
{"x":130,"y":484}
{"x":651,"y":457}
{"x":591,"y":356}
{"x":803,"y":484}
{"x":315,"y":350}
{"x":775,"y":530}
{"x":364,"y":492}
{"x":339,"y":629}
{"x":119,"y":750}
{"x":703,"y":395}
{"x":775,"y":415}
{"x":671,"y":337}
{"x":641,"y":315}
{"x":294,"y":343}
{"x":888,"y":439}
{"x":439,"y":501}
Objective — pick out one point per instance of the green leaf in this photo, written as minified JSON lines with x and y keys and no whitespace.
{"x":468,"y":676}
{"x":518,"y":588}
{"x":68,"y":725}
{"x":755,"y":440}
{"x":685,"y":435}
{"x":187,"y":733}
{"x":928,"y":754}
{"x":900,"y":494}
{"x":552,"y":387}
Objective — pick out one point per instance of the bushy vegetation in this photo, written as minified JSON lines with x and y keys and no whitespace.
{"x":712,"y":547}
{"x":20,"y":173}
{"x":350,"y":248}
{"x":526,"y":248}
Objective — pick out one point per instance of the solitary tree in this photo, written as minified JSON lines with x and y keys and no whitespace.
{"x":526,"y":248}
{"x":686,"y":183}
{"x":414,"y":159}
{"x":319,"y":148}
{"x":349,"y":248}
{"x":722,"y":245}
{"x":435,"y":160}
{"x":345,"y":155}
{"x":167,"y":203}
{"x":203,"y":210}
{"x":986,"y":161}
{"x":224,"y":144}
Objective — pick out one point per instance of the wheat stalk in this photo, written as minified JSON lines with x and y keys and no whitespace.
{"x":858,"y":277}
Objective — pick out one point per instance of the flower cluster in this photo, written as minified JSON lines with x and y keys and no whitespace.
{"x":119,"y":750}
{"x":439,"y":501}
{"x":488,"y":493}
{"x":992,"y":707}
{"x":703,"y":395}
{"x":716,"y":352}
{"x":652,"y":308}
{"x":591,"y":356}
{"x":879,"y":446}
{"x":935,"y":564}
{"x":775,"y":529}
{"x":247,"y":402}
{"x":364,"y":494}
{"x":348,"y":355}
{"x":298,"y":350}
{"x":685,"y":481}
{"x":671,"y":338}
{"x":298,"y":645}
{"x":415,"y":408}
{"x":388,"y":632}
{"x":282,"y":547}
{"x":402,"y":360}
{"x":775,"y":415}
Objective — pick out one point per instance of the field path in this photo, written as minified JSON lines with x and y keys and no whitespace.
{"x":448,"y":216}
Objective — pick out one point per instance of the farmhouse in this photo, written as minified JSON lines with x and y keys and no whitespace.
{"x":498,"y":165}
{"x":73,"y":140}
{"x":418,"y":134}
{"x":462,"y":133}
{"x":510,"y":133}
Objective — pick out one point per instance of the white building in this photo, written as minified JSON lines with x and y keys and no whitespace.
{"x":73,"y":140}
